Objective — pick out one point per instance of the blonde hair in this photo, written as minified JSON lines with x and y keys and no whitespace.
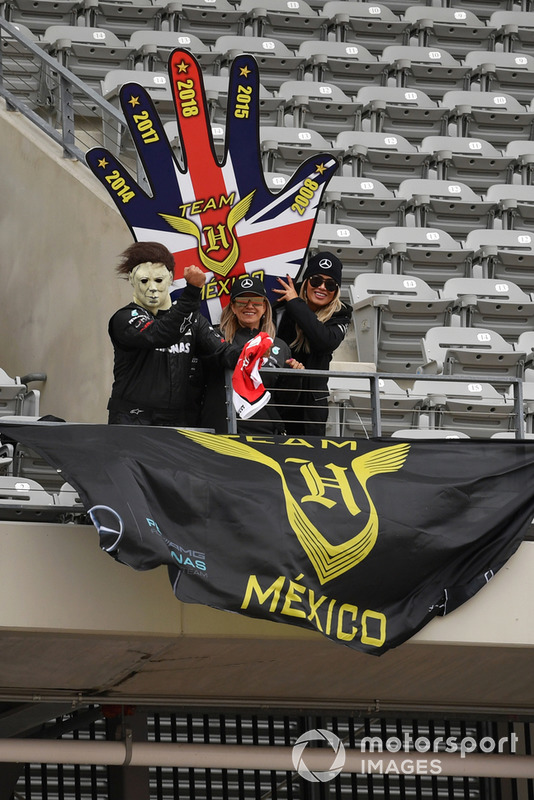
{"x":229,"y":324}
{"x":323,"y":314}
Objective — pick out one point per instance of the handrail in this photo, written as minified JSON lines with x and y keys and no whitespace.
{"x":375,"y":377}
{"x":67,"y":79}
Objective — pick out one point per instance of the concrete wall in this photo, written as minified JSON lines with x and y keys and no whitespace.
{"x":60,"y":240}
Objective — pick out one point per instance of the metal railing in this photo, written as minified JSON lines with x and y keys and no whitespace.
{"x":512,"y":410}
{"x":52,"y":97}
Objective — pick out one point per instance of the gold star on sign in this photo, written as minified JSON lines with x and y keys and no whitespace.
{"x":102,"y":163}
{"x":182,"y":67}
{"x":133,"y":101}
{"x":244,"y":71}
{"x":320,"y":168}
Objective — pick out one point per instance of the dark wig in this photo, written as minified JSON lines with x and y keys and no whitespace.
{"x":143,"y":252}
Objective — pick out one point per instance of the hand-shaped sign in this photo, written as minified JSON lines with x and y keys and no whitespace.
{"x":220,"y":216}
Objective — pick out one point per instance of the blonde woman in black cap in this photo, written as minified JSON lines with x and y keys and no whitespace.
{"x":248,"y":313}
{"x":313,"y":321}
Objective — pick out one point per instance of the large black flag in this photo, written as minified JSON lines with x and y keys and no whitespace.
{"x":363,"y":540}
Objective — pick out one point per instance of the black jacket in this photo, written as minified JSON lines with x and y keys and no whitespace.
{"x":310,"y":416}
{"x":155,"y":357}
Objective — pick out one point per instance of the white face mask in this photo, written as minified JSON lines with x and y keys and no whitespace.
{"x":151,"y":284}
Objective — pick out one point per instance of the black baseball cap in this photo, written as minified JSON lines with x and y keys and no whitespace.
{"x":247,"y":284}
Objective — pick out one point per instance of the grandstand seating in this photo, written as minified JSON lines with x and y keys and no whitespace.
{"x":448,"y":205}
{"x":381,"y":156}
{"x":515,"y":205}
{"x":391,"y":314}
{"x":369,"y":24}
{"x":425,"y":69}
{"x":403,"y":112}
{"x":362,"y":203}
{"x":455,"y":30}
{"x":475,"y":162}
{"x":207,"y":19}
{"x":321,"y":106}
{"x":124,"y":19}
{"x":504,"y":255}
{"x":514,"y":30}
{"x":349,"y":66}
{"x":284,"y":149}
{"x":37,"y":17}
{"x":472,"y":409}
{"x":427,"y":253}
{"x":277,"y":63}
{"x":494,"y":116}
{"x":488,"y":303}
{"x":509,"y":73}
{"x":289,"y":21}
{"x":470,"y":351}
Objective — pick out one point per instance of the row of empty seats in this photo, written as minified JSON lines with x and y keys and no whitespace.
{"x":457,"y":29}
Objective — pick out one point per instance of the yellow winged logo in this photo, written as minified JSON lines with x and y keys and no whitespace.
{"x":187,"y":226}
{"x":329,"y":560}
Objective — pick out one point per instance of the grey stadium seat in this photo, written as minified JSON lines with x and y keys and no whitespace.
{"x":404,"y":112}
{"x":364,"y":203}
{"x":391,"y":313}
{"x":125,"y":18}
{"x":504,"y":255}
{"x":455,"y":30}
{"x":284,"y":149}
{"x":290,"y":21}
{"x":516,"y":205}
{"x":428,"y":69}
{"x":514,"y":30}
{"x":372,"y":25}
{"x":345,"y":64}
{"x":88,"y":52}
{"x":37,"y":17}
{"x":479,"y":352}
{"x":509,"y":73}
{"x":21,"y":70}
{"x":426,"y":253}
{"x":384,"y":157}
{"x":276,"y":61}
{"x":494,"y":116}
{"x":521,"y":154}
{"x":474,"y":409}
{"x":450,"y":206}
{"x":473,"y":161}
{"x":500,"y":306}
{"x":207,"y":19}
{"x":321,"y":106}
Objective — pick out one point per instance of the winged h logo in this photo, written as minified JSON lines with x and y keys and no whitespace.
{"x":218,"y":237}
{"x":329,"y":560}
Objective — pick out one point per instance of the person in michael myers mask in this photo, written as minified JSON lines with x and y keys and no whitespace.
{"x":156,"y":342}
{"x":313,"y":321}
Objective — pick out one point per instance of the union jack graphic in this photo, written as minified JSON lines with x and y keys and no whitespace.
{"x":218,"y":215}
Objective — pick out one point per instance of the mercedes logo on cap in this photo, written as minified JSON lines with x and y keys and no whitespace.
{"x":246,"y":283}
{"x":325,"y":263}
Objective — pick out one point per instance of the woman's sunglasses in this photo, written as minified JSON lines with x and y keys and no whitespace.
{"x":257,"y":302}
{"x":329,"y":283}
